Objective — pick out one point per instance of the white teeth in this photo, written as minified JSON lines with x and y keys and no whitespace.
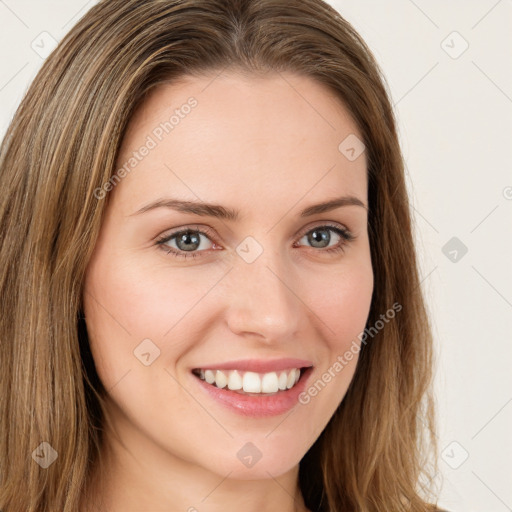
{"x":220,"y":379}
{"x":234,"y":381}
{"x":291,"y":379}
{"x":283,"y":379}
{"x":251,"y":382}
{"x":269,"y":383}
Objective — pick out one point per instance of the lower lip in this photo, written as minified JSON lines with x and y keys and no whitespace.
{"x":257,"y":406}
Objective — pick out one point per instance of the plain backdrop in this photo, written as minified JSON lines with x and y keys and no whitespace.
{"x":448,"y":66}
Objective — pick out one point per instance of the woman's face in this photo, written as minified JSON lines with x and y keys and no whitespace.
{"x":261,"y":292}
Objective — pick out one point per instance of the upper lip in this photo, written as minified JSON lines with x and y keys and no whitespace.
{"x":259,"y":365}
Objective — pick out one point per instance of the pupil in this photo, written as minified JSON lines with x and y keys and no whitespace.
{"x":319,"y":235}
{"x":184,"y":238}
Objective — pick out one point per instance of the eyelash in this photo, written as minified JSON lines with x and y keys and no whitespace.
{"x":346,"y":237}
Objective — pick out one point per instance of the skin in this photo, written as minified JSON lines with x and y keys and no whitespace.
{"x":267,"y":146}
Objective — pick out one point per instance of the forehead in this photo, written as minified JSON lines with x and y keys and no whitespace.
{"x":245,"y":136}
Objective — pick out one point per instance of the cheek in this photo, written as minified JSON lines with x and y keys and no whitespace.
{"x":144,"y":300}
{"x":126,"y":303}
{"x":342,"y":301}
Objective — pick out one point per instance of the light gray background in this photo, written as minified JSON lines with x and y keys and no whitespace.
{"x":454,"y":109}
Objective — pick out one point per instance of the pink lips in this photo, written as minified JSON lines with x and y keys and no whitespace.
{"x":259,"y":365}
{"x":251,"y":404}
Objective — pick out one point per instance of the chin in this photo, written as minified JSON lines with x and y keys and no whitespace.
{"x":256,"y":460}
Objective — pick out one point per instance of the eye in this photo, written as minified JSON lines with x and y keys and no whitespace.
{"x":186,"y":242}
{"x":320,"y":237}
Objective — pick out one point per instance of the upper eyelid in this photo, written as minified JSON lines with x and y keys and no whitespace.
{"x":327,"y":224}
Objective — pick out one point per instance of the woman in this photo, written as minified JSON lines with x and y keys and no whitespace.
{"x":210,"y":296}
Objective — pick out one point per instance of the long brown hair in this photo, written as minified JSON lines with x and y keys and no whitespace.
{"x":62,"y":144}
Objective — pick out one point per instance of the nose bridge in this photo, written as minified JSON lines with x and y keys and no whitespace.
{"x":262,"y":298}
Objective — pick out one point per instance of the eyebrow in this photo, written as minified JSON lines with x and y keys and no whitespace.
{"x":216,"y":210}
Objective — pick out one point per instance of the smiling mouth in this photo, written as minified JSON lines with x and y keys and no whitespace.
{"x":252,"y":383}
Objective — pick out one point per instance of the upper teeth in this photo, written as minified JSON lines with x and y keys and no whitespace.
{"x":251,"y":382}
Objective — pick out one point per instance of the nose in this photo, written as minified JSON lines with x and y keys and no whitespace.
{"x":262,"y":299}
